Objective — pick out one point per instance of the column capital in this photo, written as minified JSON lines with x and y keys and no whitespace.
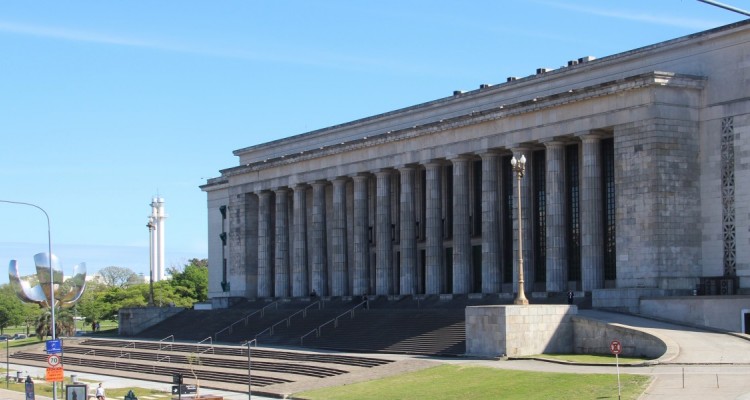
{"x":591,"y":135}
{"x":383,"y":172}
{"x":437,"y":162}
{"x":492,"y":153}
{"x":319,"y":182}
{"x":407,"y":167}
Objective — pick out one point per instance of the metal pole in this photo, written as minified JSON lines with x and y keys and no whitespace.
{"x":518,"y":167}
{"x":7,"y":363}
{"x":726,"y":7}
{"x":150,"y":226}
{"x":249,"y":371}
{"x":51,"y":300}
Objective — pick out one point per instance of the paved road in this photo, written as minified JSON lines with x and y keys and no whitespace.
{"x":698,"y":365}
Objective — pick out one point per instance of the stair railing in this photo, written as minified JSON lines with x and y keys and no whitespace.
{"x":167,"y":345}
{"x":364,"y":304}
{"x":246,"y":319}
{"x":209,"y":348}
{"x":288,"y":320}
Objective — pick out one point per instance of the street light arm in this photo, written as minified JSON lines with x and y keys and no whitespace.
{"x":51,"y":276}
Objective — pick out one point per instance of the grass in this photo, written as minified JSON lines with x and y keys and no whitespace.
{"x":479,"y":383}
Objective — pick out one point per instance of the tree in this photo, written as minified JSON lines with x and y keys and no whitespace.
{"x":64,"y":323}
{"x":11,"y":308}
{"x":192,"y":281}
{"x":117,"y":276}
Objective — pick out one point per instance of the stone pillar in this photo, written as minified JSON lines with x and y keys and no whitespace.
{"x":557,"y":260}
{"x":281,"y":264}
{"x":491,"y":279}
{"x":242,"y":268}
{"x":384,"y":237}
{"x":361,"y":277}
{"x":265,"y":244}
{"x":592,"y":227}
{"x":528,"y":229}
{"x":434,"y":229}
{"x":408,"y":278}
{"x":340,"y":278}
{"x":319,"y":248}
{"x":461,"y":227}
{"x":299,"y":261}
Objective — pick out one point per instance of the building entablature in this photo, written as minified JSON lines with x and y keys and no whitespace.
{"x":497,"y":123}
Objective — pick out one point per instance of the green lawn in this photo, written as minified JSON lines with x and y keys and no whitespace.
{"x":478,"y":383}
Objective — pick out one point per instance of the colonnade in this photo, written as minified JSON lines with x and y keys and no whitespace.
{"x":413,"y":229}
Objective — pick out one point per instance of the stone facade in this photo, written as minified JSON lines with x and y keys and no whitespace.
{"x":633,"y":186}
{"x":514,"y":331}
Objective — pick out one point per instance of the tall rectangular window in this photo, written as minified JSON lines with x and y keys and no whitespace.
{"x":539,"y":175}
{"x":608,"y":186}
{"x":506,"y":174}
{"x":573,"y":226}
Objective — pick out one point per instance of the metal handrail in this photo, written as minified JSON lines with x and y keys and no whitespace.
{"x":168,"y":345}
{"x":244,"y":344}
{"x":159,"y":359}
{"x":288,"y":319}
{"x":246,"y":319}
{"x":80,"y":360}
{"x":334,"y":320}
{"x":210,"y":347}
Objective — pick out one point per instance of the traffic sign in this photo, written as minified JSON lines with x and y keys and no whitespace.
{"x":54,"y":346}
{"x":54,"y":375}
{"x":615,"y":347}
{"x":54,"y":360}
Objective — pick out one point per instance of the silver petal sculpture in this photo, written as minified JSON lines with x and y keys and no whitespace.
{"x":36,"y":288}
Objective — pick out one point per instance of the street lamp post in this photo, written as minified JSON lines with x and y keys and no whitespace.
{"x":51,"y":300}
{"x":518,"y":167}
{"x":151,"y":227}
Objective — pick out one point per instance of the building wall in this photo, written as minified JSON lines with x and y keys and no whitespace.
{"x":664,"y":105}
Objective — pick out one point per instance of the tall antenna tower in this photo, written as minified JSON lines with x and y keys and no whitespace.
{"x":156,"y":221}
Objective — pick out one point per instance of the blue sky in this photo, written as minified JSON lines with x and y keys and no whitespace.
{"x":105,"y":104}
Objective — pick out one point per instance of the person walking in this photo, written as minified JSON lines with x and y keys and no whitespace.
{"x":100,"y":392}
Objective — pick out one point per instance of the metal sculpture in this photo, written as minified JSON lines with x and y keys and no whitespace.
{"x":36,"y":288}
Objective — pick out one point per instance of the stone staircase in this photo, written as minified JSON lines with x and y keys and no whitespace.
{"x":214,"y":366}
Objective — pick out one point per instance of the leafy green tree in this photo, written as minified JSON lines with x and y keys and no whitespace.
{"x":192,"y":281}
{"x":90,"y":306}
{"x":11,"y":308}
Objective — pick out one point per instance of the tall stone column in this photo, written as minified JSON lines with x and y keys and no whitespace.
{"x":526,"y":219}
{"x":265,"y":244}
{"x":408,"y":228}
{"x":434,"y":229}
{"x":340,"y":278}
{"x":319,"y":243}
{"x":361,"y":277}
{"x":557,"y":260}
{"x":592,"y":227}
{"x":281,"y":264}
{"x":491,"y":256}
{"x":461,"y":227}
{"x":299,"y":260}
{"x":384,"y":237}
{"x":243,"y":243}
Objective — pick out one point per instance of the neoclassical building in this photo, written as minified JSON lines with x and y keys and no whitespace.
{"x":632,"y":187}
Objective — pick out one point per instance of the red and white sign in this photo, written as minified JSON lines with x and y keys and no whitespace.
{"x":615,"y":347}
{"x":54,"y":360}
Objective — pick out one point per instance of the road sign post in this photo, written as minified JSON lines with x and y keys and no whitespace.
{"x":616,"y":348}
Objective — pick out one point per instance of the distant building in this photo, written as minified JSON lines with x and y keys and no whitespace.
{"x":633,"y":187}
